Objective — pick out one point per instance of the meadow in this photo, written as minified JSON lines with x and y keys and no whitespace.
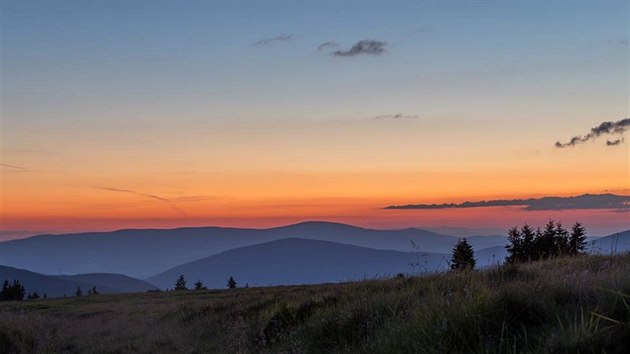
{"x":565,"y":305}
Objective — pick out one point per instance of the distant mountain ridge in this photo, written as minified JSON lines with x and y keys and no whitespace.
{"x":143,"y":253}
{"x":300,"y":261}
{"x":57,"y":286}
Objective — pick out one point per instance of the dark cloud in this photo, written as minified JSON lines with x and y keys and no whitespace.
{"x":617,"y":127}
{"x":281,"y":38}
{"x":325,"y":45}
{"x":366,"y":46}
{"x":14,"y":167}
{"x":397,"y":116}
{"x":585,"y":201}
{"x":614,"y":142}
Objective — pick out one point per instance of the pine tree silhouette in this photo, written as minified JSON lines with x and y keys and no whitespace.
{"x":463,"y":256}
{"x":180,"y":284}
{"x":231,"y":283}
{"x":577,"y":240}
{"x":199,"y":285}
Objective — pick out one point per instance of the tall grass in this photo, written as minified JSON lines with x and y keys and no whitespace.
{"x":567,"y":305}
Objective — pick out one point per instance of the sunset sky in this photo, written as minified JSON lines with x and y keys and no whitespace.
{"x":119,"y":114}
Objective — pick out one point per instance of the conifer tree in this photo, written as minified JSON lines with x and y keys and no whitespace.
{"x":515,"y":246}
{"x":199,"y":285}
{"x":79,"y":292}
{"x":14,"y":292}
{"x":231,"y":283}
{"x":180,"y":284}
{"x":562,"y":241}
{"x":463,"y":256}
{"x":94,"y":290}
{"x":546,"y":243}
{"x":577,"y":240}
{"x":528,"y":244}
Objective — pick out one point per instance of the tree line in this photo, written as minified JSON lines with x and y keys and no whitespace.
{"x":16,"y":292}
{"x":180,"y":284}
{"x":527,"y":244}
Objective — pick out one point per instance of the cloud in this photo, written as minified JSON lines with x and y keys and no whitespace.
{"x":14,"y":167}
{"x":617,"y":127}
{"x":325,"y":45}
{"x":281,"y":38}
{"x":614,"y":142}
{"x":585,"y":201}
{"x":397,"y":116}
{"x":366,"y":46}
{"x":168,"y":201}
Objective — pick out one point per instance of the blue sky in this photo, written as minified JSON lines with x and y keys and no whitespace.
{"x":191,"y":52}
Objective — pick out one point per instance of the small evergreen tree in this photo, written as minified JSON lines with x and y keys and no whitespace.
{"x":562,"y":241}
{"x":546,"y":242}
{"x":199,"y":285}
{"x":180,"y":284}
{"x":79,"y":292}
{"x":4,"y":294}
{"x":463,"y":256}
{"x":14,"y":292}
{"x":577,"y":240}
{"x":528,"y":244}
{"x":515,"y":246}
{"x":94,"y":290}
{"x":231,"y":283}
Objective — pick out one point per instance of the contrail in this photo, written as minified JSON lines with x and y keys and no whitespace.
{"x":152,"y":196}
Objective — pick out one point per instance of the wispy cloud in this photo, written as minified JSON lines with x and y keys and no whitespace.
{"x":585,"y":201}
{"x":364,"y":47}
{"x":14,"y":167}
{"x":325,"y":45}
{"x":168,"y":201}
{"x":617,"y":127}
{"x":281,"y":38}
{"x":397,"y":116}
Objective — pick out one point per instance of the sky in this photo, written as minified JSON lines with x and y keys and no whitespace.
{"x":118,"y":114}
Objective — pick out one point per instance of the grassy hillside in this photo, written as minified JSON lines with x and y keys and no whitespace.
{"x":564,"y":305}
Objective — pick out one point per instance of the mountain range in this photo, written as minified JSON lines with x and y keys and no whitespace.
{"x":296,"y":254}
{"x":144,"y":253}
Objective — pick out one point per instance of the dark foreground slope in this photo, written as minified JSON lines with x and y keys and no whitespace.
{"x":563,"y":306}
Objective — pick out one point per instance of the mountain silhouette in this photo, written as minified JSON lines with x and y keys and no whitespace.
{"x":57,"y":286}
{"x":300,"y":261}
{"x":142,"y":253}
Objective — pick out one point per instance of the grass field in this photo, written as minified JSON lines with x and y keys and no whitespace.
{"x":561,"y":306}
